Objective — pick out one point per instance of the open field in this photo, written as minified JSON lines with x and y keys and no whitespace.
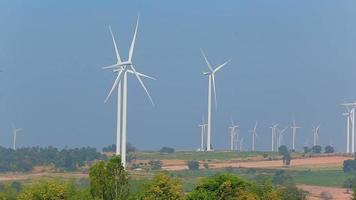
{"x":316,"y":191}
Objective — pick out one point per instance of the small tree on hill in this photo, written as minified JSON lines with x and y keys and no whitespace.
{"x":166,"y":150}
{"x":316,"y":149}
{"x":193,"y":165}
{"x":329,"y":149}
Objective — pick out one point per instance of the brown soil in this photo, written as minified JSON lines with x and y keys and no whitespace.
{"x":316,"y":191}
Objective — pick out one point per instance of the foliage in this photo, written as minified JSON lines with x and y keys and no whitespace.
{"x":329,"y":149}
{"x":48,"y":190}
{"x":112,"y":148}
{"x":349,"y":166}
{"x":9,"y":191}
{"x":316,"y":149}
{"x":293,"y":193}
{"x":24,"y":159}
{"x":166,"y":150}
{"x":281,"y":177}
{"x":286,"y":157}
{"x":193,"y":165}
{"x":109,"y":180}
{"x":353,"y":197}
{"x":155,"y":164}
{"x":162,"y":187}
{"x":307,"y":150}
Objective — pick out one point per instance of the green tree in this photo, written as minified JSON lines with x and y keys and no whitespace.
{"x":316,"y":149}
{"x":166,"y":150}
{"x":109,"y":180}
{"x":155,"y":164}
{"x":193,"y":165}
{"x":329,"y":149}
{"x":48,"y":190}
{"x":162,"y":187}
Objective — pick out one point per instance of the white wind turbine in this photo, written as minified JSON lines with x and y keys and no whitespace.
{"x":273,"y":128}
{"x":233,"y":134}
{"x":294,"y":128}
{"x":316,"y":135}
{"x":280,"y":136}
{"x":202,"y":133}
{"x":348,"y":119}
{"x":254,"y":134}
{"x":15,"y":131}
{"x":350,"y":125}
{"x":211,"y":75}
{"x":241,"y":143}
{"x":122,"y":68}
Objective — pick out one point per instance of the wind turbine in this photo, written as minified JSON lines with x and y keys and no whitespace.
{"x":294,"y":128}
{"x":122,"y":68}
{"x":241,"y":143}
{"x":273,"y":128}
{"x":316,"y":134}
{"x":211,"y":75}
{"x":280,"y":136}
{"x":348,"y":119}
{"x":203,"y":132}
{"x":233,"y":134}
{"x":15,"y":131}
{"x":254,"y":134}
{"x":350,"y":124}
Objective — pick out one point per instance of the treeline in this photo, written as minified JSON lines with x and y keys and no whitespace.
{"x":109,"y":181}
{"x":24,"y":159}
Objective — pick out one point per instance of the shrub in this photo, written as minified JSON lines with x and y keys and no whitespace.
{"x":349,"y":166}
{"x":316,"y":149}
{"x":329,"y":149}
{"x":155,"y":164}
{"x":193,"y":165}
{"x":166,"y":150}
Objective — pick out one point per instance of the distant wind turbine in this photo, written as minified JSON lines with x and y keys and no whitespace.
{"x":15,"y":131}
{"x":122,"y":68}
{"x":254,"y":134}
{"x":280,"y":136}
{"x":350,"y":115}
{"x":202,"y":133}
{"x":233,"y":133}
{"x":211,"y":75}
{"x":273,"y":128}
{"x":316,"y":134}
{"x":294,"y":128}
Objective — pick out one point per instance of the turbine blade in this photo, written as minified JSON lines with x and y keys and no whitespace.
{"x":214,"y":88}
{"x":112,"y":66}
{"x":142,"y":75}
{"x":116,"y":49}
{"x":113,"y":86}
{"x":206,"y":60}
{"x":133,"y":40}
{"x":142,"y":84}
{"x":220,"y":66}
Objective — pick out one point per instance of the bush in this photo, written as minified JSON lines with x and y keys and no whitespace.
{"x":162,"y":187}
{"x":166,"y":150}
{"x":349,"y":166}
{"x":307,"y":149}
{"x":329,"y":149}
{"x":155,"y":164}
{"x":316,"y":149}
{"x":193,"y":165}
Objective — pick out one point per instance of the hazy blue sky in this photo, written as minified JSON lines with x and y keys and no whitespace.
{"x":290,"y":60}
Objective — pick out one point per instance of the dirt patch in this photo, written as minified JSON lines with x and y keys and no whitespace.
{"x":312,"y":162}
{"x":316,"y":192}
{"x":30,"y":176}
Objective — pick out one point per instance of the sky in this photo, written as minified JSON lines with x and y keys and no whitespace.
{"x":290,"y":60}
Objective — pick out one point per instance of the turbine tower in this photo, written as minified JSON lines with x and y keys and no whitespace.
{"x":280,"y":136}
{"x":348,"y":119}
{"x":233,"y":134}
{"x":294,"y":128}
{"x":122,"y":68}
{"x":254,"y":134}
{"x":241,"y":143}
{"x":15,"y":131}
{"x":202,"y":133}
{"x":273,"y":128}
{"x":316,"y":135}
{"x":350,"y":125}
{"x":211,"y":77}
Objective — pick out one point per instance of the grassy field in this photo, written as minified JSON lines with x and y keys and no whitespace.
{"x":193,"y":155}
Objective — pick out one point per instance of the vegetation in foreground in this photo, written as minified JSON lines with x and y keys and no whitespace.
{"x":109,"y":181}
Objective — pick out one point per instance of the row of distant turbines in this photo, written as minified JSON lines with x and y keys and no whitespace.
{"x":236,"y":141}
{"x":123,"y":68}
